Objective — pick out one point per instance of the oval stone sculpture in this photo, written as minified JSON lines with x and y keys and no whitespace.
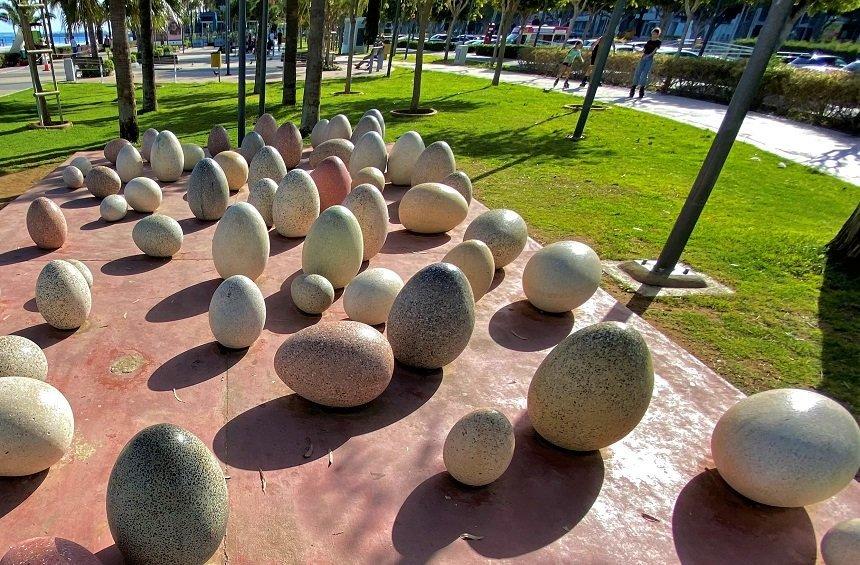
{"x":296,"y":205}
{"x":102,"y":181}
{"x":365,"y":124}
{"x":434,"y":164}
{"x":129,"y":163}
{"x":218,"y":140}
{"x":20,"y":357}
{"x":252,"y":143}
{"x":267,"y":127}
{"x":333,"y":247}
{"x":562,"y":276}
{"x":312,"y":294}
{"x":48,"y":551}
{"x":332,"y":181}
{"x":36,"y":426}
{"x":593,"y":388}
{"x":113,"y":148}
{"x":147,"y":143}
{"x":288,"y":142}
{"x":167,"y":498}
{"x":235,"y":169}
{"x":237,"y":312}
{"x":474,"y":258}
{"x":432,"y":208}
{"x":841,"y":544}
{"x":369,"y":296}
{"x":432,"y":318}
{"x":208,"y":194}
{"x":338,"y":128}
{"x":157,"y":235}
{"x":83,"y":269}
{"x":404,"y":154}
{"x":340,"y":364}
{"x":370,"y":151}
{"x":318,"y":134}
{"x":267,"y":163}
{"x":46,"y":224}
{"x":82,"y":163}
{"x":379,"y":119}
{"x":240,"y":245}
{"x":261,"y":194}
{"x":191,"y":155}
{"x":787,"y":447}
{"x":340,"y":148}
{"x":73,"y":177}
{"x":504,"y":231}
{"x":460,"y":181}
{"x":62,"y":295}
{"x":166,"y":157}
{"x":113,"y":208}
{"x":479,"y":447}
{"x":368,"y":205}
{"x":369,"y":175}
{"x":143,"y":194}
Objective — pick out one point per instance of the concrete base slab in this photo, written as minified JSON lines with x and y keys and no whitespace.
{"x":617,"y":270}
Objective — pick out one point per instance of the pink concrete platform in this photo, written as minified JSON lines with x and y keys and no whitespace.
{"x":382,"y":496}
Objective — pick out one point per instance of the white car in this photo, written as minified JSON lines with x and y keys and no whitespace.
{"x":438,"y":37}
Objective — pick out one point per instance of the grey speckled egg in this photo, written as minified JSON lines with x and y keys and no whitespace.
{"x":267,"y":127}
{"x":36,"y":426}
{"x":73,"y":177}
{"x":312,"y":294}
{"x":167,"y":498}
{"x":46,"y":223}
{"x":366,"y":124}
{"x":129,"y":163}
{"x":158,"y":235}
{"x":562,"y":276}
{"x":113,"y":208}
{"x":338,"y":128}
{"x":20,"y":357}
{"x":267,"y":163}
{"x":296,"y":205}
{"x":479,"y":447}
{"x":369,"y":175}
{"x":237,"y":312}
{"x":166,"y":157}
{"x":82,"y":163}
{"x":340,"y":364}
{"x":474,"y":258}
{"x":235,"y":168}
{"x":841,"y":544}
{"x":218,"y":140}
{"x":370,"y":151}
{"x":504,"y":231}
{"x":208,"y":193}
{"x":82,"y":269}
{"x":371,"y":211}
{"x":404,"y":154}
{"x":318,"y":132}
{"x":143,"y":194}
{"x":460,"y":181}
{"x":261,"y":194}
{"x":62,"y":295}
{"x":593,"y":388}
{"x":252,"y":143}
{"x":333,"y":247}
{"x":146,"y":143}
{"x":191,"y":155}
{"x":432,"y":208}
{"x":113,"y":148}
{"x":434,"y":164}
{"x":369,"y":296}
{"x":288,"y":142}
{"x":432,"y":318}
{"x":340,"y":148}
{"x":787,"y":447}
{"x":379,"y":119}
{"x":102,"y":181}
{"x":240,"y":245}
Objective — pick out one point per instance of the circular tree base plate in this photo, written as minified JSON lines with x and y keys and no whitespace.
{"x":578,"y":107}
{"x":55,"y":125}
{"x":419,"y":113}
{"x":348,"y":93}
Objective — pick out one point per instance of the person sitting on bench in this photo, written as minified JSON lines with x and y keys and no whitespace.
{"x":371,"y":55}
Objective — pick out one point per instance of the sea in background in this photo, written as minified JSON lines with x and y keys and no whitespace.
{"x":6,"y":39}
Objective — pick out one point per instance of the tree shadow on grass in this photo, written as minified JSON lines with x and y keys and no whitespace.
{"x":839,"y":321}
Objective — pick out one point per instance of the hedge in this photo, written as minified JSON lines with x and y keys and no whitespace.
{"x":9,"y":59}
{"x":848,"y":50}
{"x":485,"y":50}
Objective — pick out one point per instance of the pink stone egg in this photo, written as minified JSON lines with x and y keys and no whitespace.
{"x":332,"y":180}
{"x":46,"y":223}
{"x":288,"y":142}
{"x":48,"y":551}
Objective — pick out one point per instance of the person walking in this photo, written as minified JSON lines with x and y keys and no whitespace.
{"x":643,"y":69}
{"x":280,"y":39}
{"x":565,"y":67}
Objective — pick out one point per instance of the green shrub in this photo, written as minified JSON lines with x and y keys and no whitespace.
{"x":428,"y":45}
{"x":9,"y":59}
{"x":486,"y":50}
{"x":93,"y":72}
{"x":848,"y":50}
{"x":64,"y":50}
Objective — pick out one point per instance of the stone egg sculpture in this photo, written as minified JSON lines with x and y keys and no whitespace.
{"x":252,"y":143}
{"x":20,"y":357}
{"x":460,"y":181}
{"x":82,"y":269}
{"x":432,"y":208}
{"x":218,"y":140}
{"x":267,"y":127}
{"x":240,"y":245}
{"x":434,"y":164}
{"x":479,"y":447}
{"x":261,"y":194}
{"x":841,"y":544}
{"x":73,"y":177}
{"x":235,"y":168}
{"x":267,"y":163}
{"x":333,"y":247}
{"x":365,"y":124}
{"x":474,"y":258}
{"x":102,"y":181}
{"x":504,"y":232}
{"x":166,"y":157}
{"x":62,"y":295}
{"x":432,"y":318}
{"x":113,"y":208}
{"x":332,"y":181}
{"x":561,"y":276}
{"x":593,"y":388}
{"x":369,"y":296}
{"x":370,"y":151}
{"x":208,"y":193}
{"x":143,"y":194}
{"x":403,"y":157}
{"x":369,"y":175}
{"x":157,"y":235}
{"x":288,"y":142}
{"x":191,"y":155}
{"x":36,"y":426}
{"x":237,"y":312}
{"x":338,"y":128}
{"x":379,"y":118}
{"x":318,"y":133}
{"x":312,"y":294}
{"x":340,"y":148}
{"x":46,"y":223}
{"x":369,"y":207}
{"x":48,"y":551}
{"x":147,"y":143}
{"x":296,"y":205}
{"x":113,"y":148}
{"x":341,"y":364}
{"x":82,"y":163}
{"x":129,"y":163}
{"x":787,"y":447}
{"x":167,"y":498}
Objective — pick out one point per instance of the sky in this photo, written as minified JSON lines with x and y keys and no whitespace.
{"x":56,"y":22}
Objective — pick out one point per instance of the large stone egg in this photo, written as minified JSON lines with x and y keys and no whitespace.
{"x":474,"y":258}
{"x":404,"y":154}
{"x":267,"y":127}
{"x":841,"y":544}
{"x":312,"y":294}
{"x":20,"y":357}
{"x":432,"y":208}
{"x":143,"y":194}
{"x":147,"y":143}
{"x":338,"y":128}
{"x":369,"y":296}
{"x":208,"y":193}
{"x":340,"y":148}
{"x":235,"y":168}
{"x":561,"y":276}
{"x":157,"y":235}
{"x":237,"y":312}
{"x":365,"y":124}
{"x":191,"y":155}
{"x":432,"y":318}
{"x":504,"y":231}
{"x":434,"y":164}
{"x":113,"y":208}
{"x":240,"y":245}
{"x":369,"y":175}
{"x":46,"y":223}
{"x":36,"y":426}
{"x":261,"y":194}
{"x":593,"y":388}
{"x":73,"y":177}
{"x":379,"y":119}
{"x":318,"y":133}
{"x":340,"y":364}
{"x":83,"y":269}
{"x":102,"y":181}
{"x":48,"y":551}
{"x":296,"y":205}
{"x":113,"y":148}
{"x":370,"y":151}
{"x":333,"y":247}
{"x":371,"y":211}
{"x":332,"y":181}
{"x":129,"y":163}
{"x":252,"y":143}
{"x":787,"y":447}
{"x":479,"y":447}
{"x":62,"y":295}
{"x":83,"y":163}
{"x":218,"y":140}
{"x":167,"y":498}
{"x":460,"y":181}
{"x":267,"y":163}
{"x":288,"y":142}
{"x":166,"y":157}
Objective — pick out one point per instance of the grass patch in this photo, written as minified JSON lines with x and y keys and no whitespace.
{"x":794,"y":319}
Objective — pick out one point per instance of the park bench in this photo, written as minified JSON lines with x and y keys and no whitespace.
{"x":85,"y":63}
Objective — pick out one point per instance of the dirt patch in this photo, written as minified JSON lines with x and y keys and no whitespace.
{"x":127,"y":363}
{"x":15,"y":184}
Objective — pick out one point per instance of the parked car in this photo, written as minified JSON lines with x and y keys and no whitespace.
{"x":821,"y":63}
{"x":674,"y":51}
{"x":438,"y":37}
{"x":852,"y":67}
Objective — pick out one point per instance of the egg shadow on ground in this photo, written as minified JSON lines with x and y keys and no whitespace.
{"x":15,"y":490}
{"x":23,"y":254}
{"x":279,"y":244}
{"x":45,"y":335}
{"x":278,"y":434}
{"x":192,"y":225}
{"x":194,"y":366}
{"x":282,"y":315}
{"x":404,"y":241}
{"x":498,"y":279}
{"x":544,"y":494}
{"x":84,"y":202}
{"x":133,"y":265}
{"x":394,"y":212}
{"x":522,"y":327}
{"x":186,"y":303}
{"x":711,"y":523}
{"x":110,"y":556}
{"x":100,"y":223}
{"x":30,"y":305}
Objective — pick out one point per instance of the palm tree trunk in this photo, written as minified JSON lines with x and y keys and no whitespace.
{"x":291,"y":33}
{"x":423,"y":17}
{"x":124,"y":82}
{"x":150,"y":100}
{"x":313,"y":79}
{"x":351,"y":49}
{"x":94,"y":46}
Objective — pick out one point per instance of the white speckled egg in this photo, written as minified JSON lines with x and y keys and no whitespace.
{"x":113,"y":208}
{"x":479,"y":447}
{"x":369,"y":296}
{"x":143,"y":194}
{"x":62,"y":295}
{"x":20,"y":357}
{"x":129,"y":163}
{"x":240,"y":245}
{"x":237,"y":312}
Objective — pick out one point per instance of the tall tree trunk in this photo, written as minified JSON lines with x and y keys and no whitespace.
{"x":150,"y":100}
{"x":351,"y":48}
{"x":262,"y":37}
{"x":506,"y":16}
{"x":846,"y":244}
{"x":291,"y":32}
{"x":423,"y":19}
{"x":313,"y":80}
{"x":454,"y":16}
{"x":371,"y":24}
{"x":124,"y":81}
{"x":94,"y":46}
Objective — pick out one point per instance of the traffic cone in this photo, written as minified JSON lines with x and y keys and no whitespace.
{"x":47,"y":67}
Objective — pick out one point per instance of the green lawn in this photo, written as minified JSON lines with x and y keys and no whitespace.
{"x":793,"y":320}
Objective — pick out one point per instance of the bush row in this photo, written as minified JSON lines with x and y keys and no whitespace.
{"x":848,"y":50}
{"x":485,"y":50}
{"x":9,"y":59}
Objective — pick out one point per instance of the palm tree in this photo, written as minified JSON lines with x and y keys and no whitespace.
{"x":124,"y":81}
{"x":147,"y":63}
{"x":290,"y":48}
{"x":9,"y":15}
{"x":91,"y":13}
{"x":313,"y":78}
{"x":71,"y":15}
